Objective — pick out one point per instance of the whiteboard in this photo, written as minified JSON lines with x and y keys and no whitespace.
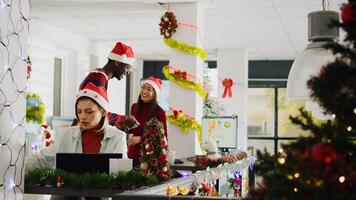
{"x":222,"y":129}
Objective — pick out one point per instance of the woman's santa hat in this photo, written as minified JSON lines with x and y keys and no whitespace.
{"x":98,"y":94}
{"x":156,"y":83}
{"x":122,"y":53}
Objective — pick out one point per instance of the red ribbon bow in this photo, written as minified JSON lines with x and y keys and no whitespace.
{"x":227,"y":83}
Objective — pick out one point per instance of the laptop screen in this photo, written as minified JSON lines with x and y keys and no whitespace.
{"x":83,"y":162}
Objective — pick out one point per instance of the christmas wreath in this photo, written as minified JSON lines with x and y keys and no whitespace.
{"x":168,"y":24}
{"x":35,"y":108}
{"x":204,"y":161}
{"x":154,"y":151}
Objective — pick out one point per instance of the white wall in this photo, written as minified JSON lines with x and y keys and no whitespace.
{"x":47,"y":42}
{"x":116,"y":89}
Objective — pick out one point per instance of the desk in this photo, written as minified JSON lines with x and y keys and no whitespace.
{"x":186,"y":165}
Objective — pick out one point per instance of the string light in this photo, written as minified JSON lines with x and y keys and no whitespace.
{"x":281,"y":160}
{"x":342,"y":179}
{"x":355,"y":110}
{"x":14,"y":44}
{"x":290,"y":177}
{"x":280,"y":150}
{"x":333,"y":116}
{"x":296,"y":175}
{"x":295,"y":189}
{"x":349,"y":128}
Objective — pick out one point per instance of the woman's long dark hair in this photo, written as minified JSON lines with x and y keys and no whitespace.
{"x":152,"y":107}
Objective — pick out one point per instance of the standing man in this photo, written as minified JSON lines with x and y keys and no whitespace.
{"x":120,"y":61}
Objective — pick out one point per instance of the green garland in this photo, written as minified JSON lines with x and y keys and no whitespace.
{"x":185,"y":123}
{"x":184,"y":82}
{"x":34,"y":113}
{"x":180,"y":46}
{"x":119,"y":181}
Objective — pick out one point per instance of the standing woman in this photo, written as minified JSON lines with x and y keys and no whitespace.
{"x":145,"y":109}
{"x":91,"y":135}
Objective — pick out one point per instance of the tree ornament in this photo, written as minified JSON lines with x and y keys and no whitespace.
{"x":324,"y":153}
{"x":348,"y":13}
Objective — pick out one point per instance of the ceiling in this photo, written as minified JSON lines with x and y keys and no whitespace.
{"x":268,"y":29}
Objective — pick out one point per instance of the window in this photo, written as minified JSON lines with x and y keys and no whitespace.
{"x":268,"y":119}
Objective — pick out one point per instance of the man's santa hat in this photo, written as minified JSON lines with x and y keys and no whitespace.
{"x":122,"y":53}
{"x":156,"y":83}
{"x":98,"y":94}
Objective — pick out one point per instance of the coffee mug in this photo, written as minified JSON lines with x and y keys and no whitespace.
{"x":171,"y":157}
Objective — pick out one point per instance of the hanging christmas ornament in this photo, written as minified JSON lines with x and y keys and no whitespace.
{"x":168,"y":24}
{"x":348,"y":13}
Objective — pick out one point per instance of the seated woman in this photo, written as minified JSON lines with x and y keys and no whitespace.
{"x":91,"y":135}
{"x":145,"y":109}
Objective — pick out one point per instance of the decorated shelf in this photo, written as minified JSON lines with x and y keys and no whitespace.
{"x":199,"y":177}
{"x":143,"y":192}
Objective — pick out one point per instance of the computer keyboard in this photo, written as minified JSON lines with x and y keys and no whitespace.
{"x":178,"y":161}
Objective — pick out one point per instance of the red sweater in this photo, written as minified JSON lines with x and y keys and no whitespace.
{"x":91,"y":141}
{"x":142,"y":117}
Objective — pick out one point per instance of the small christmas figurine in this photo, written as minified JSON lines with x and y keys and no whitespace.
{"x":211,"y":148}
{"x":172,"y":190}
{"x":59,"y":181}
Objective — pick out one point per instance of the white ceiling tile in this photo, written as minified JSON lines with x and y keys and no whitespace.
{"x":267,"y":28}
{"x":246,"y":13}
{"x":242,"y":3}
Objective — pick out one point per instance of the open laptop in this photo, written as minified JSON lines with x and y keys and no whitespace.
{"x":83,"y":162}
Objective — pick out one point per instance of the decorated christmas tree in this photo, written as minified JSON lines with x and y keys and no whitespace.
{"x":321,"y":166}
{"x":212,"y":106}
{"x":154,"y":151}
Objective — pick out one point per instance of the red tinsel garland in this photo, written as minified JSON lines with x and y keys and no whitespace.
{"x":154,"y":152}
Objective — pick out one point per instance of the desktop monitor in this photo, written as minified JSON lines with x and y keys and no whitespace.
{"x":85,"y":162}
{"x":223,"y":129}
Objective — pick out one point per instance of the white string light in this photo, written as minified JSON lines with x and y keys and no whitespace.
{"x":14,"y":28}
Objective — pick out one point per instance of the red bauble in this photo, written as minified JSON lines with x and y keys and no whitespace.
{"x":348,"y":14}
{"x":324,"y":153}
{"x":151,"y":131}
{"x":163,"y":142}
{"x":48,"y":135}
{"x":162,"y":158}
{"x":48,"y":143}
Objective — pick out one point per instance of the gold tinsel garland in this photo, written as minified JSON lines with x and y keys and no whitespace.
{"x":183,"y":81}
{"x":180,"y":46}
{"x":185,"y":123}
